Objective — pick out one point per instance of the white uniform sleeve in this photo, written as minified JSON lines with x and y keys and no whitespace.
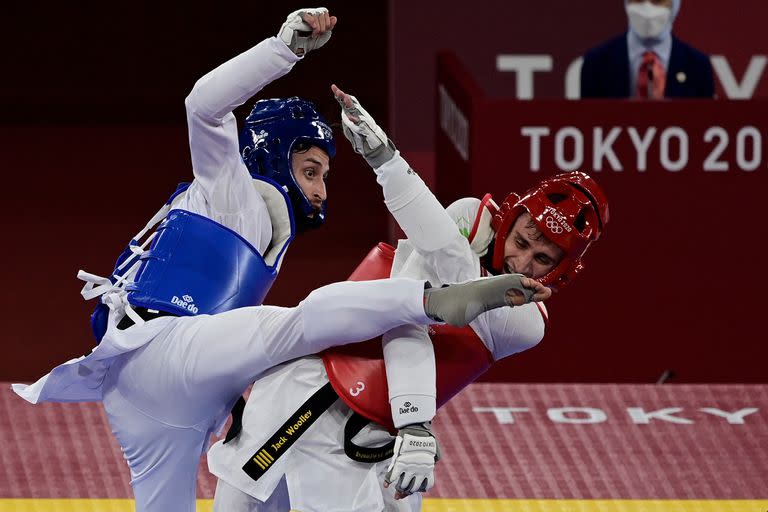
{"x":414,"y":207}
{"x":222,"y":187}
{"x":212,"y":126}
{"x":442,"y":255}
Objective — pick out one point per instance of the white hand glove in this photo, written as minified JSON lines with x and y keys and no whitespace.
{"x":412,"y":468}
{"x":307,"y":29}
{"x":366,"y":137}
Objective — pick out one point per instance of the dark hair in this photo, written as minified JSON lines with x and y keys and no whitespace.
{"x":537,"y":234}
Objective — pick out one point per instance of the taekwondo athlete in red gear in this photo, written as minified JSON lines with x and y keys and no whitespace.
{"x":180,"y":332}
{"x":521,"y":224}
{"x":542,"y":235}
{"x":295,"y":479}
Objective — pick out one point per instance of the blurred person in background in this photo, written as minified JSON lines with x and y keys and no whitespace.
{"x":647,"y":61}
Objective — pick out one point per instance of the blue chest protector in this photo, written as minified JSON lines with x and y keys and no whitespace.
{"x":198,"y":266}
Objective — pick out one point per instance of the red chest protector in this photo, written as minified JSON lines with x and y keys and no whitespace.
{"x":357,"y":372}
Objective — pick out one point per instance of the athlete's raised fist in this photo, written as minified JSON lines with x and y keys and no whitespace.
{"x":307,"y":29}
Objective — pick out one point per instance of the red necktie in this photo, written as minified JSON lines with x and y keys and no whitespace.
{"x":651,"y":78}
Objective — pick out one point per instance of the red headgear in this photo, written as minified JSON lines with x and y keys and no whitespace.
{"x":569,"y":209}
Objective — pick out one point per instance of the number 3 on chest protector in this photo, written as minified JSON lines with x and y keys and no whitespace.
{"x":359,"y":389}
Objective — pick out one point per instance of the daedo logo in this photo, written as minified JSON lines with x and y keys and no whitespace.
{"x":408,"y":407}
{"x":186,"y":302}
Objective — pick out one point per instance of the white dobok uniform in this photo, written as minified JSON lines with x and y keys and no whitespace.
{"x":315,"y":474}
{"x":168,"y":383}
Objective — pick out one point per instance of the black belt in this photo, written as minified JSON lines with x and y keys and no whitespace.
{"x":145,"y":314}
{"x":354,"y":425}
{"x":320,"y":401}
{"x":237,"y":420}
{"x":289,"y":432}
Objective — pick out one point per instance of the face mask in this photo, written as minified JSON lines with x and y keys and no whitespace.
{"x":647,"y":20}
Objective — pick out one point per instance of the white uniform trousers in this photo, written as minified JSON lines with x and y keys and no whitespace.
{"x":164,"y":399}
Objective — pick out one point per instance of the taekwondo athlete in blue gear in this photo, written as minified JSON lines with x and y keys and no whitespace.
{"x":190,"y":249}
{"x":166,"y":371}
{"x":218,"y":268}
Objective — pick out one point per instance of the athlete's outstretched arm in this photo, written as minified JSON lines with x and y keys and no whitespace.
{"x":412,"y":204}
{"x":212,"y":127}
{"x":408,"y":352}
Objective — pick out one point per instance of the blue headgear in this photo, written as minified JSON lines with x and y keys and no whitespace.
{"x":269,"y":136}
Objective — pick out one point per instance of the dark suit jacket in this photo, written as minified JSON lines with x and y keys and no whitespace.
{"x":605,"y":72}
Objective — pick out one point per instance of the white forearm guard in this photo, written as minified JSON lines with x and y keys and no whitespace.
{"x":410,"y":363}
{"x":414,"y":207}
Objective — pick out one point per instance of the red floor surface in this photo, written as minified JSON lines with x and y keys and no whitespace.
{"x":552,"y":441}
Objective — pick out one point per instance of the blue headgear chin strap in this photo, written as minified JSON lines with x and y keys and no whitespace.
{"x":269,"y":136}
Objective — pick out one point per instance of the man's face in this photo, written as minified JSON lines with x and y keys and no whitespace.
{"x":310,"y":168}
{"x":660,"y":3}
{"x":527,"y":251}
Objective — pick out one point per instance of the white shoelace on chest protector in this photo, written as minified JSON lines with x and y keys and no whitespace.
{"x":114,"y":294}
